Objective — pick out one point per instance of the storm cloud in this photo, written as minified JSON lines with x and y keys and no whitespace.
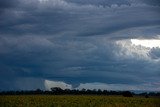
{"x":78,"y":42}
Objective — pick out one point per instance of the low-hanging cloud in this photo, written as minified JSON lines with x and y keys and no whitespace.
{"x":103,"y":86}
{"x":51,"y":84}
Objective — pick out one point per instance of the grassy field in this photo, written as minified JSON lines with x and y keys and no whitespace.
{"x":76,"y":101}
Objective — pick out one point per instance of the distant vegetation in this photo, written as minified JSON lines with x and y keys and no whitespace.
{"x":59,"y":91}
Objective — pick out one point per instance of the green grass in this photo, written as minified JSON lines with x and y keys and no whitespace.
{"x":76,"y":101}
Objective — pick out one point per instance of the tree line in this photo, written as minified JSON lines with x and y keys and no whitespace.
{"x":59,"y":91}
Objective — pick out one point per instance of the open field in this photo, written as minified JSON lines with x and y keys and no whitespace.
{"x":76,"y":101}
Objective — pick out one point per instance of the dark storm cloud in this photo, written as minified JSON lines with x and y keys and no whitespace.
{"x":75,"y":41}
{"x":155,"y":53}
{"x":58,"y":16}
{"x":118,"y":2}
{"x":5,"y":4}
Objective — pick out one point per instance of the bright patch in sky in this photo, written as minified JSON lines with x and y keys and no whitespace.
{"x":153,"y":43}
{"x":144,"y":49}
{"x":49,"y":84}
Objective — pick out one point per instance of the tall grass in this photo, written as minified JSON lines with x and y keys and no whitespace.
{"x":76,"y":101}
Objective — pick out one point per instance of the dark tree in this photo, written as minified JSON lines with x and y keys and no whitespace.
{"x":57,"y":90}
{"x":127,"y":94}
{"x":146,"y":96}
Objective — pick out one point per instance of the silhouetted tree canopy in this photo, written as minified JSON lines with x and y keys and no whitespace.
{"x":59,"y":91}
{"x":127,"y":94}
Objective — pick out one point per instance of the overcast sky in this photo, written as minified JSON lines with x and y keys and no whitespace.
{"x":84,"y":43}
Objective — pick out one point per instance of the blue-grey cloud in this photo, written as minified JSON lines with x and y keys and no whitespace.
{"x":77,"y":42}
{"x":155,"y":53}
{"x":58,"y":16}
